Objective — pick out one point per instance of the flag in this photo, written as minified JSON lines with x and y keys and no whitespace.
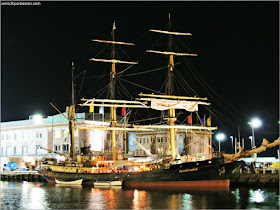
{"x":189,"y":119}
{"x":123,"y":111}
{"x":203,"y":120}
{"x":114,"y":25}
{"x":101,"y":110}
{"x":209,"y":121}
{"x":91,"y":108}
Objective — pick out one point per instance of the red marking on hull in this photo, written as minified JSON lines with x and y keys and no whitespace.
{"x":193,"y":185}
{"x":91,"y":184}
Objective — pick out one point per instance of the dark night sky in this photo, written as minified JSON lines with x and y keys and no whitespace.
{"x":237,"y":45}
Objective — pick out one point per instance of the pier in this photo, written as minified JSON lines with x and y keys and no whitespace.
{"x":21,"y":176}
{"x":254,"y":180}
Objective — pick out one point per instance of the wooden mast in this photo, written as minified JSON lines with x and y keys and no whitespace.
{"x":113,"y":114}
{"x":170,"y":91}
{"x":112,"y":95}
{"x":71,"y":117}
{"x":169,"y":86}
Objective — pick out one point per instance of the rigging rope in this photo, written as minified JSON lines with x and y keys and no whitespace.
{"x":121,"y":72}
{"x":124,"y":89}
{"x":124,"y":52}
{"x":103,"y":90}
{"x":144,"y":119}
{"x":80,"y":89}
{"x":145,"y":72}
{"x":94,"y":77}
{"x":141,"y":86}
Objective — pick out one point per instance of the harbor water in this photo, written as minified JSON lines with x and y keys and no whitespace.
{"x":38,"y":195}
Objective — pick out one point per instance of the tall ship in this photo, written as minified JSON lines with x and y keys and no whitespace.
{"x":174,"y":169}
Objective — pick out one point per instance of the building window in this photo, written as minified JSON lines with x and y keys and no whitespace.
{"x":57,"y":148}
{"x":160,"y":139}
{"x":2,"y":151}
{"x":38,"y":149}
{"x":15,"y":150}
{"x":39,"y":134}
{"x":15,"y":136}
{"x":2,"y":137}
{"x":76,"y":149}
{"x":76,"y":132}
{"x":65,"y":148}
{"x":24,"y":150}
{"x":65,"y":132}
{"x":7,"y":136}
{"x":57,"y":134}
{"x":144,"y":140}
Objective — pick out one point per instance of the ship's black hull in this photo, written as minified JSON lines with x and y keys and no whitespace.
{"x":210,"y":173}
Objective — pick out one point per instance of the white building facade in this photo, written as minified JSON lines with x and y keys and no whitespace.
{"x":27,"y":141}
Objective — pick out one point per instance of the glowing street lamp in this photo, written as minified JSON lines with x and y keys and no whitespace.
{"x":255,"y":123}
{"x":37,"y":119}
{"x":220,"y":137}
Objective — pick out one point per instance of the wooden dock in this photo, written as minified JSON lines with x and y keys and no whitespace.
{"x":31,"y":176}
{"x":254,"y":180}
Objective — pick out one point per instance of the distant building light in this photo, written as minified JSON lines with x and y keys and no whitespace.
{"x":37,"y":119}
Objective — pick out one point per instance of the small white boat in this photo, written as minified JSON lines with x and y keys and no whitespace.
{"x":75,"y":182}
{"x":108,"y":183}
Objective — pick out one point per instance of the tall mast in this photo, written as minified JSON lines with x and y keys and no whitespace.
{"x":112,"y":95}
{"x":71,"y":117}
{"x":113,"y":69}
{"x":169,"y":86}
{"x":169,"y":90}
{"x":113,"y":62}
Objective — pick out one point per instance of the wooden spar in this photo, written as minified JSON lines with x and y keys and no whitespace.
{"x":112,"y":61}
{"x":116,"y":105}
{"x":129,"y":106}
{"x":248,"y":153}
{"x":171,"y":53}
{"x":151,"y":99}
{"x":58,"y":111}
{"x":116,"y":128}
{"x":112,"y":42}
{"x":111,"y":101}
{"x":171,"y":96}
{"x":176,"y":126}
{"x":170,"y":32}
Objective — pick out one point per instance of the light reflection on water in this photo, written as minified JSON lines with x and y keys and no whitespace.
{"x":28,"y":195}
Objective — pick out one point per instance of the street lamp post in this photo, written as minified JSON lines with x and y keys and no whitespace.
{"x":231,"y":137}
{"x":251,"y":141}
{"x":254,"y":123}
{"x":220,"y":136}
